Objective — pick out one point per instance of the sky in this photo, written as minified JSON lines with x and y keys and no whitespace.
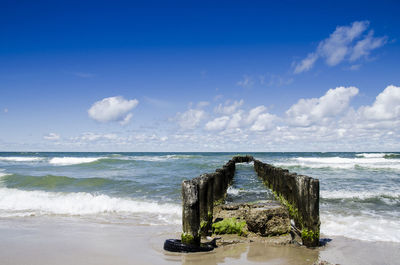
{"x":237,"y":76}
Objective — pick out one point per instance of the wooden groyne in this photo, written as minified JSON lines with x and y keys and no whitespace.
{"x":300,"y":194}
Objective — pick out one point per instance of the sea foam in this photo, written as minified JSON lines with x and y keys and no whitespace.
{"x":20,"y":158}
{"x":80,"y":203}
{"x":65,"y":161}
{"x":351,"y":194}
{"x":373,"y":162}
{"x":368,"y":228}
{"x":372,"y":155}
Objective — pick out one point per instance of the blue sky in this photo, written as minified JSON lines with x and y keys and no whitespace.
{"x":184,"y":76}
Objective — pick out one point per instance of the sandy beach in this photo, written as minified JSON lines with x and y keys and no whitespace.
{"x":66,"y":240}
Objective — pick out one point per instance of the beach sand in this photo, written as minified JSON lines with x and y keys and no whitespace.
{"x":66,"y":240}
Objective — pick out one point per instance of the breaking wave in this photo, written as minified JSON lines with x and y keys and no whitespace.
{"x":66,"y":161}
{"x":385,"y":197}
{"x":363,"y":227}
{"x":373,"y":162}
{"x":20,"y":158}
{"x":56,"y":182}
{"x":372,"y":155}
{"x":79,"y":203}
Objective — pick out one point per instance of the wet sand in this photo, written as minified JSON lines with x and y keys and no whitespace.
{"x":75,"y":241}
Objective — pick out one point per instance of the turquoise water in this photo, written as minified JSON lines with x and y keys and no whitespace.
{"x":360,"y":195}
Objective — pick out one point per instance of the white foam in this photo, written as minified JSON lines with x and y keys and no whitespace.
{"x":368,"y":228}
{"x":17,"y":202}
{"x":158,"y":158}
{"x":251,"y":163}
{"x":348,"y":194}
{"x":372,"y":155}
{"x":20,"y":158}
{"x":343,"y":163}
{"x":65,"y":161}
{"x":233,"y":191}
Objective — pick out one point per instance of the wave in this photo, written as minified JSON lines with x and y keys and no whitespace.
{"x":66,"y":161}
{"x":372,"y":155}
{"x":161,"y":158}
{"x":20,"y":159}
{"x":368,"y":228}
{"x":235,"y":192}
{"x":388,"y":197}
{"x":55,"y":182}
{"x":392,"y":156}
{"x":342,"y":163}
{"x":79,"y":203}
{"x":245,"y":164}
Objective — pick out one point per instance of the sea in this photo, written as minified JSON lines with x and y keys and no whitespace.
{"x":359,"y":192}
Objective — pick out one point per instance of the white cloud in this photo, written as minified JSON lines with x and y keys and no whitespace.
{"x":337,"y":46}
{"x":190,"y":119}
{"x":217,"y":123}
{"x":257,"y":119}
{"x":228,"y":108}
{"x":5,"y":110}
{"x":385,"y":107}
{"x":254,"y":113}
{"x":263,"y":122}
{"x":51,"y":137}
{"x":306,"y":63}
{"x":316,"y":110}
{"x":236,"y":120}
{"x":247,"y":82}
{"x":274,"y":80}
{"x":341,"y":46}
{"x":90,"y":136}
{"x":365,"y":46}
{"x":126,"y":119}
{"x":112,"y":109}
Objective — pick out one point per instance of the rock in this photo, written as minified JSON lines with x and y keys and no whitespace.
{"x":268,"y":218}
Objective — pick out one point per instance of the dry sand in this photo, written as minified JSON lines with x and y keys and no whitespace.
{"x":75,"y":241}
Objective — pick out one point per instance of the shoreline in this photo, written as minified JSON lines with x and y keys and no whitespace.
{"x":66,"y":240}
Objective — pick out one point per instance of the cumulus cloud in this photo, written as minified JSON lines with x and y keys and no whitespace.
{"x":316,"y":110}
{"x":254,"y":113}
{"x":228,"y":108}
{"x":52,"y":137}
{"x":324,"y":123}
{"x":256,"y":119}
{"x":190,"y":119}
{"x":263,"y":122}
{"x":217,"y":123}
{"x":346,"y":43}
{"x":113,"y":109}
{"x":385,"y":107}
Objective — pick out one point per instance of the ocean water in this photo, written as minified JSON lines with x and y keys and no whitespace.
{"x":360,"y":196}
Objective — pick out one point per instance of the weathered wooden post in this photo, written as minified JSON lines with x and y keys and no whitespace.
{"x":206,"y":200}
{"x":218,"y":184}
{"x":190,"y":213}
